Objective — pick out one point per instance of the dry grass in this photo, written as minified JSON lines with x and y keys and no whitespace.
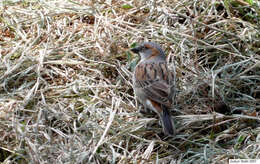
{"x":65,"y":81}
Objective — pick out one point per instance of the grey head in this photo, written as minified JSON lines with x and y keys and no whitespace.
{"x":149,"y":50}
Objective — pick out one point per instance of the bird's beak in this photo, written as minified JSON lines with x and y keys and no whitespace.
{"x":135,"y":50}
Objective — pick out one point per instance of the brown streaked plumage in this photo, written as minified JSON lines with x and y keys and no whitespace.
{"x":154,"y":83}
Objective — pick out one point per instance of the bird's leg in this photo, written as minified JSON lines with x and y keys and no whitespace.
{"x":146,"y":111}
{"x":143,"y":110}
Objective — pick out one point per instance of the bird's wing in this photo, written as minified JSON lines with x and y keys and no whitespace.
{"x":155,"y":81}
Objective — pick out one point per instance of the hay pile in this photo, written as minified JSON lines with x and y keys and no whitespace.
{"x":65,"y":81}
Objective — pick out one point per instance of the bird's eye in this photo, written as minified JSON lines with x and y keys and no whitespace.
{"x":144,"y":48}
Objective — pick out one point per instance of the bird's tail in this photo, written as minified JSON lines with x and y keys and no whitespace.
{"x":167,"y":122}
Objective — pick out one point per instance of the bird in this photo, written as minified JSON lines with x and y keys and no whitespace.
{"x":153,"y":83}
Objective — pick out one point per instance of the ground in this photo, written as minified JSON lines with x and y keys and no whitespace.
{"x":66,"y":81}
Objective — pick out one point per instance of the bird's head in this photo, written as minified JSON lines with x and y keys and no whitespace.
{"x":149,"y":50}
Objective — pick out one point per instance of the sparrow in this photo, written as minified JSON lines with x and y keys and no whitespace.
{"x":153,"y":83}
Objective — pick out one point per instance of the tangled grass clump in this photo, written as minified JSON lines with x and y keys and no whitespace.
{"x":65,"y":81}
